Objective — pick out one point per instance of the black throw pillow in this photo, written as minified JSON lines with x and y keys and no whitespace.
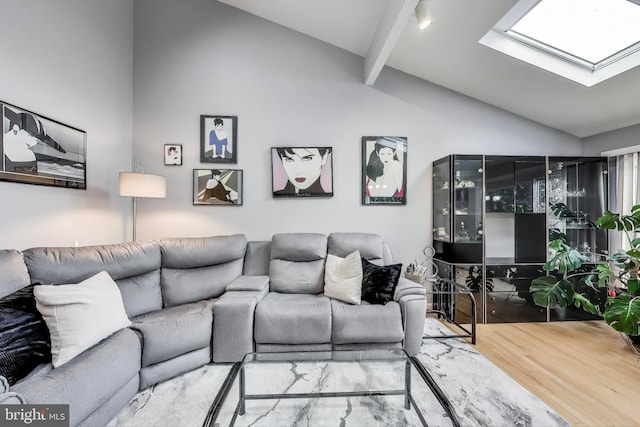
{"x":379,"y":282}
{"x":24,"y":337}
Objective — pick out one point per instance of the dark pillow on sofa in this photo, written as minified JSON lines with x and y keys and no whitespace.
{"x":24,"y":337}
{"x":379,"y":282}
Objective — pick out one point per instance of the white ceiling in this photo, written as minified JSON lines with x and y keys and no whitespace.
{"x":448,"y":54}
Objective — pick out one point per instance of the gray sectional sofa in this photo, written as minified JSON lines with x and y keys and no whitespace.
{"x":193,"y":301}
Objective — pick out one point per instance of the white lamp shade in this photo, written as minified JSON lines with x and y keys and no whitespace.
{"x":142,"y":185}
{"x":423,"y":15}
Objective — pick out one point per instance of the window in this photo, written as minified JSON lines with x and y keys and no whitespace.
{"x":624,"y":186}
{"x":587,"y":41}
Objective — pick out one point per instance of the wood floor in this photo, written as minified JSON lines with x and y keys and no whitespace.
{"x":583,"y":370}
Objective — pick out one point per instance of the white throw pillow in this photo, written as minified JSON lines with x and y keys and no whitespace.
{"x":80,"y":316}
{"x":343,"y":278}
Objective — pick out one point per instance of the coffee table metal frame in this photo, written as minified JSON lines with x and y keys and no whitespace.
{"x":238,"y":368}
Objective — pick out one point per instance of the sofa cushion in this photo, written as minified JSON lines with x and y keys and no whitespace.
{"x":366,"y":323}
{"x":194,"y":269}
{"x":174,"y":331}
{"x":13,"y":272}
{"x":379,"y":282}
{"x":24,"y":338}
{"x":343,"y":278}
{"x":297,"y":263}
{"x":141,"y":293}
{"x":135,"y":264}
{"x":293,"y":319}
{"x":202,"y":251}
{"x":81,"y":315}
{"x":257,"y":258}
{"x":370,"y":246}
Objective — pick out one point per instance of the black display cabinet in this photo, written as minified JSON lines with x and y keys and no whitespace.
{"x":493,"y":218}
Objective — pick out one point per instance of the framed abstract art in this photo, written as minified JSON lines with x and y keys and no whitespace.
{"x":35,"y":149}
{"x":217,"y":187}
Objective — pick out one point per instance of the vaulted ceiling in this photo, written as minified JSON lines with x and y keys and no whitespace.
{"x":448,"y":54}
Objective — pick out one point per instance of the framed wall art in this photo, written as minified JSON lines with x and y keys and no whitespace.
{"x":217,"y":187}
{"x":302,"y":171}
{"x":173,"y":154}
{"x":38,"y":150}
{"x":384,"y":170}
{"x":219,"y":139}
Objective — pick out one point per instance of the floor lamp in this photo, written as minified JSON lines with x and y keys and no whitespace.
{"x":135,"y":184}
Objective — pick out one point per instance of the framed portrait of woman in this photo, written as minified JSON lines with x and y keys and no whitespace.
{"x":218,"y":139}
{"x":173,"y":154}
{"x":384,"y":170}
{"x":302,"y":171}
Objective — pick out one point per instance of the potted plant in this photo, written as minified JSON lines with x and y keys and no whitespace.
{"x":610,"y":290}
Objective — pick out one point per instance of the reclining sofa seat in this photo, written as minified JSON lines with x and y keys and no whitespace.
{"x":296,"y":272}
{"x":295,"y":315}
{"x":194,"y":273}
{"x":101,"y":380}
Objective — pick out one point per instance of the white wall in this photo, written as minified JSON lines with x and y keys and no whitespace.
{"x":198,"y":57}
{"x":72,"y":61}
{"x":621,"y":138}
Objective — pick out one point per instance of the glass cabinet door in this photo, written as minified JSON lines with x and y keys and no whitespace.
{"x":578,"y":194}
{"x":441,"y":200}
{"x":467,"y":199}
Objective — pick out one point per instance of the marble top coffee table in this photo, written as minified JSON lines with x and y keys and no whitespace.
{"x":332,"y":388}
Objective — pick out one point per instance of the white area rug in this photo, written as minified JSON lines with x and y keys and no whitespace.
{"x":480,"y":393}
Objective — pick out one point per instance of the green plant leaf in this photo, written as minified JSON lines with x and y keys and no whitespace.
{"x":556,"y":234}
{"x":559,"y":210}
{"x":614,"y":221}
{"x":587,"y":303}
{"x":605,"y":274}
{"x":622,"y":313}
{"x":633,"y":285}
{"x":565,"y":259}
{"x":547,"y":291}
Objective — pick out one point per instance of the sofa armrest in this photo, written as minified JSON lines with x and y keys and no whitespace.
{"x":249,"y":283}
{"x":413,"y":309}
{"x":233,"y":321}
{"x":407,"y":287}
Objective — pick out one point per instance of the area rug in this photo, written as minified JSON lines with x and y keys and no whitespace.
{"x":480,"y":393}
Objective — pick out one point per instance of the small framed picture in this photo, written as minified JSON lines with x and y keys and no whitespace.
{"x":384,"y":170}
{"x":219,"y":139}
{"x":172,"y":154}
{"x":217,"y":187}
{"x":302,"y":171}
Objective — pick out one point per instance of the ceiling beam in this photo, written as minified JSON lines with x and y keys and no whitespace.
{"x":390,"y":28}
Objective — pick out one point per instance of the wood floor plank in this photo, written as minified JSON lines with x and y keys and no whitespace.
{"x":583,"y":370}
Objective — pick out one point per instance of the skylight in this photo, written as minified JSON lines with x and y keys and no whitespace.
{"x":587,"y":41}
